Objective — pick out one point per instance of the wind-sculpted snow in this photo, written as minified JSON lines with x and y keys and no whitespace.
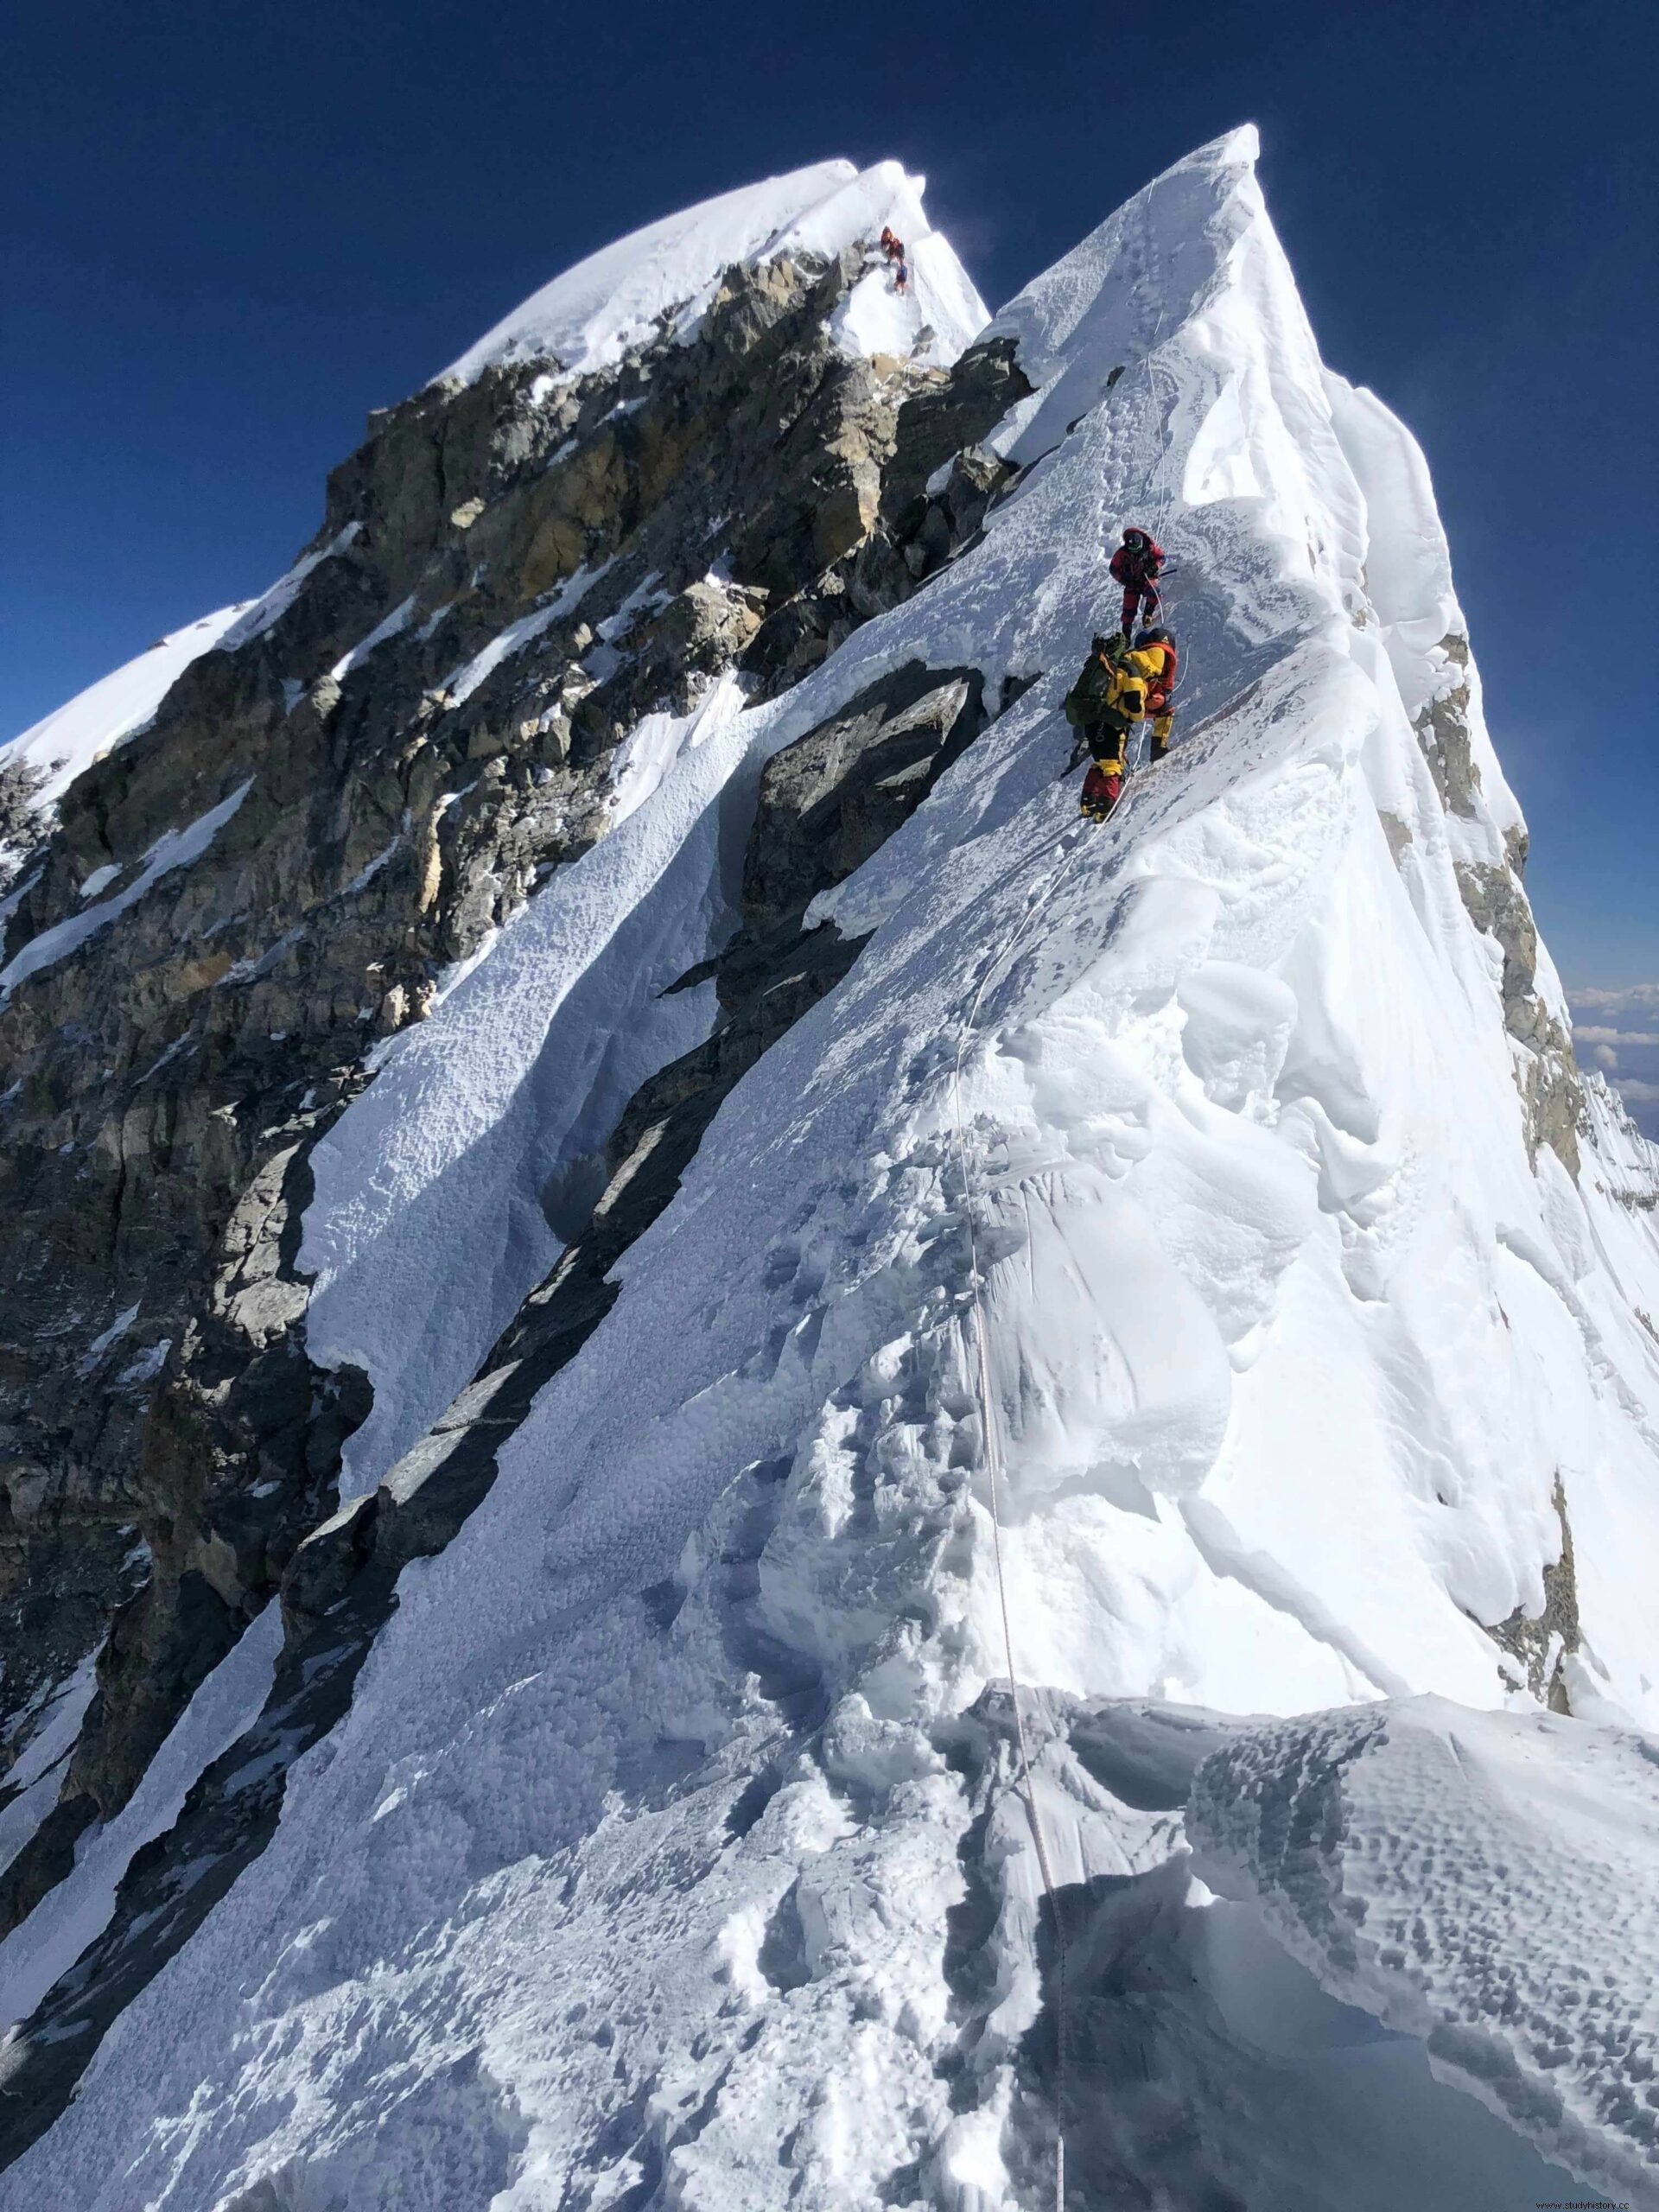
{"x":516,"y":1080}
{"x":668,"y":1853}
{"x":664,"y":276}
{"x":1487,"y":1883}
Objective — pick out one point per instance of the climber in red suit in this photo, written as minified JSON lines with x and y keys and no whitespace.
{"x":1136,"y":565}
{"x":894,"y":248}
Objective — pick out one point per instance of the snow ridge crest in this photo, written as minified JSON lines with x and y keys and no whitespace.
{"x":660,"y":279}
{"x":670,"y":1843}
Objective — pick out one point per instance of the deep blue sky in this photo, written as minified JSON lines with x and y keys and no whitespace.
{"x":234,"y":228}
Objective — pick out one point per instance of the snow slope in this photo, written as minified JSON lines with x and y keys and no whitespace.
{"x":48,"y":1942}
{"x":669,"y":1853}
{"x":510,"y":1088}
{"x":174,"y":848}
{"x":1625,"y":1157}
{"x":32,"y":1781}
{"x":1401,"y":1852}
{"x":74,"y":735}
{"x":662,"y":278}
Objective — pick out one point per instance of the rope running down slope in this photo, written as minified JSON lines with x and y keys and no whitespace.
{"x":994,"y":1471}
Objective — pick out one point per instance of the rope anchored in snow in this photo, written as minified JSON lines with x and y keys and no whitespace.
{"x":993,"y":1472}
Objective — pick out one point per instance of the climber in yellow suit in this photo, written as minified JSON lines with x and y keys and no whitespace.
{"x":1110,"y":697}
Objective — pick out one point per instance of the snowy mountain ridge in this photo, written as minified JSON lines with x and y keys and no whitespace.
{"x":659,"y":280}
{"x":47,"y":756}
{"x":665,"y":1831}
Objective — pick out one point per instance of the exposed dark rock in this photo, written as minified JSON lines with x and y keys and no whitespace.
{"x":240,"y":1446}
{"x":169,"y":1077}
{"x":1498,"y":907}
{"x":1397,"y":832}
{"x":1540,"y":1643}
{"x":22,"y":826}
{"x":915,"y":531}
{"x":951,"y":414}
{"x":829,"y":800}
{"x":1551,"y":1087}
{"x":1442,"y":729}
{"x":784,"y":978}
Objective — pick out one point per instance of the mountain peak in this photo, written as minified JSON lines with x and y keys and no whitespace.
{"x":698,"y":1380}
{"x":661,"y":277}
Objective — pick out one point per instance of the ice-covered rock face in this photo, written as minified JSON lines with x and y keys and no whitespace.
{"x":671,"y":1847}
{"x":283,"y":835}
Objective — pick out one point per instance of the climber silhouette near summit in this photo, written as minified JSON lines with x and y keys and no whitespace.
{"x":1137,"y":565}
{"x":894,"y":247}
{"x":1114,"y":691}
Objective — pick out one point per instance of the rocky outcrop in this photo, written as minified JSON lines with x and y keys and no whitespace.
{"x":21,"y":827}
{"x":1546,"y":1073}
{"x":1442,"y":727}
{"x":1538,"y":1643}
{"x":825,"y":801}
{"x":916,"y":530}
{"x":380,"y":762}
{"x":828,"y":801}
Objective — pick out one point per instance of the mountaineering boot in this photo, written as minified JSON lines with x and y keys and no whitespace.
{"x":1102,"y":789}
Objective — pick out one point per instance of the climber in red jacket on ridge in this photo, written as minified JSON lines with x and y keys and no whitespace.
{"x":894,"y":250}
{"x":1136,"y":565}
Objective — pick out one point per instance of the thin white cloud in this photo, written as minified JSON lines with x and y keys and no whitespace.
{"x":1626,"y":998}
{"x":1606,"y":1057}
{"x":1593,"y":1033}
{"x":1635,"y":1092}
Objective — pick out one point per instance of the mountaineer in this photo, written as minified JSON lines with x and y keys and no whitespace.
{"x":1137,"y":564}
{"x":1160,"y":695}
{"x":1111,"y":695}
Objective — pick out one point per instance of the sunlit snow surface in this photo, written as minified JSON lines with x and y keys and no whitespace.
{"x":1488,"y":1883}
{"x":664,"y":277}
{"x":175,"y":848}
{"x":74,"y":735}
{"x":583,"y":1904}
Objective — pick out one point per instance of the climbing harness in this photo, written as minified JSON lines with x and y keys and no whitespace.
{"x":994,"y":1471}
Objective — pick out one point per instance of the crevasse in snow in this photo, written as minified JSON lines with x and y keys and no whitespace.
{"x":1294,"y":1348}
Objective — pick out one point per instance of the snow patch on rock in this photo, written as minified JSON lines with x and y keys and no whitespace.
{"x":671,"y":1837}
{"x":107,"y":713}
{"x":175,"y":849}
{"x":661,"y":278}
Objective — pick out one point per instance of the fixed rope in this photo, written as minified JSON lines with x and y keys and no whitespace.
{"x":994,"y":1471}
{"x":993,"y":1447}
